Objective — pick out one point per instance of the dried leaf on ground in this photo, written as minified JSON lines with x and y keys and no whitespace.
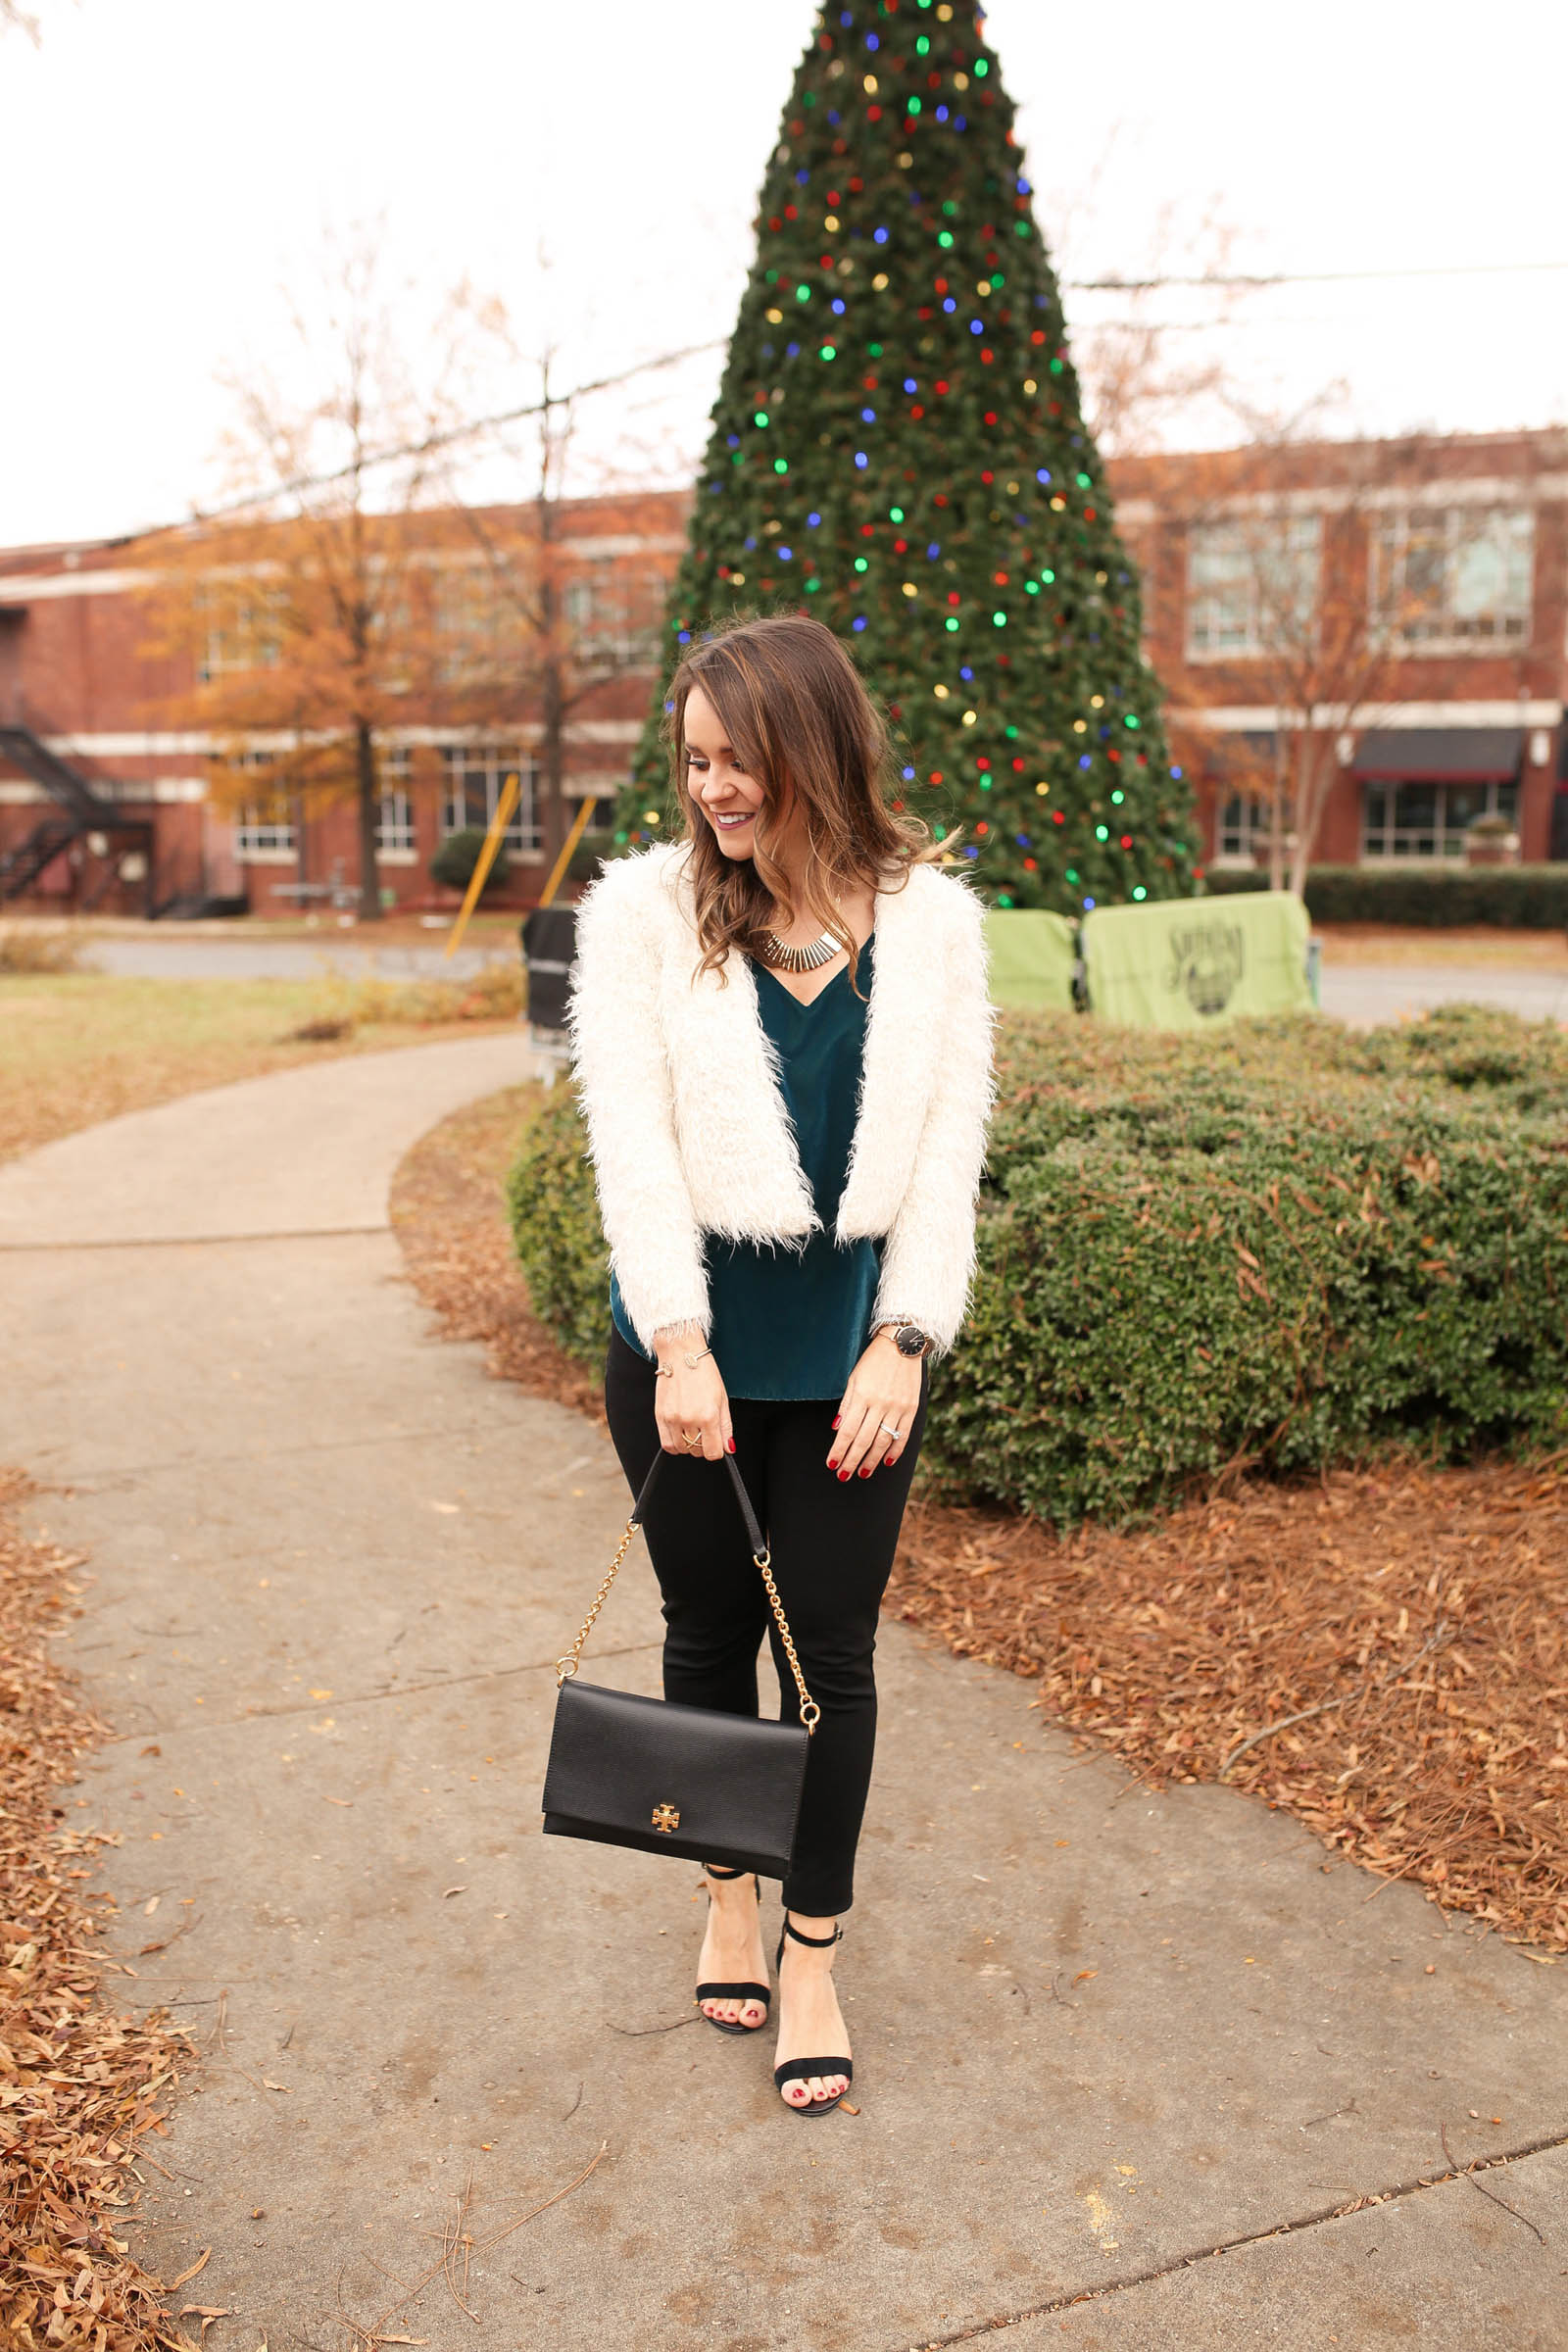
{"x":1400,"y":1635}
{"x":82,"y":2087}
{"x":446,"y":1209}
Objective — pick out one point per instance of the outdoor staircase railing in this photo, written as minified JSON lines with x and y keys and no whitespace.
{"x":78,"y":811}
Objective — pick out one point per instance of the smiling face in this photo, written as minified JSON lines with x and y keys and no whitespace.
{"x":726,"y":797}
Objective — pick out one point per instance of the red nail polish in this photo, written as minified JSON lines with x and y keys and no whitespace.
{"x":844,"y":1474}
{"x":865,"y":1470}
{"x":887,"y":1462}
{"x":729,"y":1445}
{"x":837,"y":1418}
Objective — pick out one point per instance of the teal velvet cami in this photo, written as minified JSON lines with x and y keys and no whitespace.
{"x":795,"y":1322}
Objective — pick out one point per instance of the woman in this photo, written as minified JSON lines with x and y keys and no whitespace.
{"x":782,"y":1035}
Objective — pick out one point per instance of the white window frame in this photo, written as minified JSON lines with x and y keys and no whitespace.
{"x":600,"y":603}
{"x":469,"y":619}
{"x":235,"y":636}
{"x":1380,"y":843}
{"x":1249,"y":833}
{"x":479,"y":770}
{"x":1454,"y":535}
{"x":1253,"y":561}
{"x":261,"y":838}
{"x":396,"y":842}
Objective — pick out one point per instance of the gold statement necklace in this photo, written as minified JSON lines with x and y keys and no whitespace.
{"x":785,"y":958}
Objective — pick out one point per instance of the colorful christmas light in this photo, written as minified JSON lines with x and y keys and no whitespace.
{"x":930,"y":452}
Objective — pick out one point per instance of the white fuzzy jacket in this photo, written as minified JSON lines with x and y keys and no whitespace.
{"x":688,"y":1129}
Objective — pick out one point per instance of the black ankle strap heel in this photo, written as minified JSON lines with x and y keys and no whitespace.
{"x":761,"y":1994}
{"x":800,"y":2070}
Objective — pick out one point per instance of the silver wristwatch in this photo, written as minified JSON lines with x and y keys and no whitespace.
{"x":911,"y":1339}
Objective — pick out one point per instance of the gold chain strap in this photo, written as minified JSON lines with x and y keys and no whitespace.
{"x":567,"y":1667}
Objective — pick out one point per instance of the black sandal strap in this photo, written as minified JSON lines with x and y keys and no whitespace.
{"x":735,"y":1992}
{"x":800,"y":2070}
{"x":716,"y":1871}
{"x":818,"y":1943}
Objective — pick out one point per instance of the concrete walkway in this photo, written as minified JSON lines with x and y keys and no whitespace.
{"x":1108,"y":2044}
{"x":1364,"y":994}
{"x":1369,"y":995}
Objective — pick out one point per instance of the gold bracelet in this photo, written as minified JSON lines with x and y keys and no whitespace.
{"x":668,"y":1371}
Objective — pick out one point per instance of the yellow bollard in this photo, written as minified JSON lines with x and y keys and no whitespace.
{"x":579,"y":825}
{"x":510,"y":793}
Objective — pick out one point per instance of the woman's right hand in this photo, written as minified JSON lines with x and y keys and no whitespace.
{"x":692,"y":1399}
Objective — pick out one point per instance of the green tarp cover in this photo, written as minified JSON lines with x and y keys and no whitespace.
{"x":1031,"y":957}
{"x":1187,"y":963}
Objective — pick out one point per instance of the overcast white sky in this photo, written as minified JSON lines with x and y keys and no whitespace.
{"x":171,"y":163}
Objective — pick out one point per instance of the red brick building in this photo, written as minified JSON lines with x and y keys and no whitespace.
{"x":1446,"y":558}
{"x":101,"y":795}
{"x":1407,"y":600}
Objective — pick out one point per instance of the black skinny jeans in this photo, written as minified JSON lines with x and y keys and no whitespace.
{"x":832,"y":1543}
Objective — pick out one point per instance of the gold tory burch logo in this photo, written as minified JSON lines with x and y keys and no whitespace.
{"x":665,"y":1818}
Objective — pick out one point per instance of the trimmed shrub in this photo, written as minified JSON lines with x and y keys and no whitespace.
{"x":560,"y":1243}
{"x":453,"y":862}
{"x":1517,"y":898}
{"x":1288,"y":1244}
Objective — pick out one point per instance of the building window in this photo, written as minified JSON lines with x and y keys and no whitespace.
{"x":240,"y":631}
{"x":394,"y":818}
{"x":474,"y":776}
{"x":1454,"y":576}
{"x":1428,"y":820}
{"x":470,"y":619}
{"x":614,"y":614}
{"x":1251,"y":586}
{"x":1243,"y":828}
{"x":264,"y":829}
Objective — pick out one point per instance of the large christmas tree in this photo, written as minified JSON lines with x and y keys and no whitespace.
{"x":898,"y":446}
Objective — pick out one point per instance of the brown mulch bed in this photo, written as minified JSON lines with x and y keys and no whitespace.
{"x":448,"y":1214}
{"x":80,"y":2088}
{"x":1396,"y":1635}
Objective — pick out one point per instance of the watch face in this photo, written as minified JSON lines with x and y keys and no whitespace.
{"x":912,"y":1341}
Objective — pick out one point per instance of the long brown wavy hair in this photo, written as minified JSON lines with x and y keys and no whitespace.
{"x":800,"y":719}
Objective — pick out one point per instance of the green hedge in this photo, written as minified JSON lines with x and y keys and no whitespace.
{"x":453,"y":862}
{"x":1520,"y":898}
{"x":1288,"y":1244}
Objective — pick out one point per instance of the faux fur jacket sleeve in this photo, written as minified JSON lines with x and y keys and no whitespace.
{"x":623,"y":1077}
{"x":687,"y":1126}
{"x":928,"y":1262}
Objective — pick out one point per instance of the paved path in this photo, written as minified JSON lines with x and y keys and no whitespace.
{"x":1367,"y":994}
{"x":1363,"y":995}
{"x":1108,"y":2044}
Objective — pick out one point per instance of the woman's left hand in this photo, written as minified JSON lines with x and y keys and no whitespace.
{"x":884,"y":1386}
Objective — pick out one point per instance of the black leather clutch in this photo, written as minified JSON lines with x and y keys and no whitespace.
{"x":665,"y":1779}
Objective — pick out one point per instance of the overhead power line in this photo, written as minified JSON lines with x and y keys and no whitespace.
{"x":472,"y":428}
{"x":1296,"y":277}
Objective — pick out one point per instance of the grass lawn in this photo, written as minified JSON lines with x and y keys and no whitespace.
{"x":485,"y":929}
{"x":78,"y":1047}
